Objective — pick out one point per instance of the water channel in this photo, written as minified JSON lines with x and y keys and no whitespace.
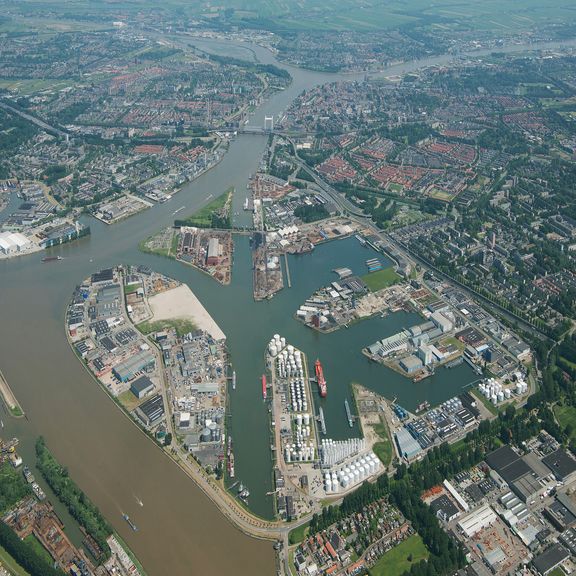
{"x":180,"y":531}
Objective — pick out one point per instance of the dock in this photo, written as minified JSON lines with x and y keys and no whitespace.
{"x":9,"y":398}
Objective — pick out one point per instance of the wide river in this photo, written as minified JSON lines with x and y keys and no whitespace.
{"x":180,"y":531}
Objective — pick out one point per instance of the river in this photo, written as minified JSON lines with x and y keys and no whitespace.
{"x":180,"y":530}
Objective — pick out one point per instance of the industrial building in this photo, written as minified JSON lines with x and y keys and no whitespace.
{"x":562,"y":464}
{"x":552,"y":558}
{"x":213,"y":253}
{"x":141,"y":387}
{"x":12,"y":242}
{"x":126,"y":370}
{"x":525,"y":475}
{"x":477,"y":520}
{"x":411,"y":364}
{"x":441,"y":322}
{"x":444,"y":508}
{"x":408,"y":446}
{"x":152,"y":411}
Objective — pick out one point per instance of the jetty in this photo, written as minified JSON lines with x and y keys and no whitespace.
{"x":9,"y":398}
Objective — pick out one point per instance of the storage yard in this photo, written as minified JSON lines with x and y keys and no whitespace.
{"x":208,"y":250}
{"x":310,"y":467}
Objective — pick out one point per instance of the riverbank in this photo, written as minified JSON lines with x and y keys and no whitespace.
{"x":9,"y":398}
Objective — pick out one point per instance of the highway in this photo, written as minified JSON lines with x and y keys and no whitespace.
{"x":33,"y":119}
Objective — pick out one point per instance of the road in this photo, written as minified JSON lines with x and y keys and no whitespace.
{"x":33,"y":119}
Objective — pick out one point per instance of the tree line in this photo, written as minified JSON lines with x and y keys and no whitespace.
{"x":77,"y":503}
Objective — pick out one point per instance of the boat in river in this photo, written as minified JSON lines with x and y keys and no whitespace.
{"x":264,"y":391}
{"x":130,"y":523}
{"x":234,"y":380}
{"x":51,"y":258}
{"x":28,"y":475}
{"x":320,"y":379}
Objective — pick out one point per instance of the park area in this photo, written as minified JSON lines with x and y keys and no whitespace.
{"x":399,"y":560}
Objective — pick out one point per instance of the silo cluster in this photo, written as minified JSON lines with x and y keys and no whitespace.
{"x":348,"y":476}
{"x":333,"y":452}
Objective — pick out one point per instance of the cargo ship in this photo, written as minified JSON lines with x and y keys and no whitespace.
{"x":264,"y":392}
{"x":51,"y":258}
{"x":320,"y":379}
{"x":130,"y":523}
{"x":234,"y":380}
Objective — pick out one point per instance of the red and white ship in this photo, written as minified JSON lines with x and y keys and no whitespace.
{"x":264,"y":392}
{"x":320,"y":379}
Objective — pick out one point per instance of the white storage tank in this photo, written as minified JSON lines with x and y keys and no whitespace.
{"x":507,"y":393}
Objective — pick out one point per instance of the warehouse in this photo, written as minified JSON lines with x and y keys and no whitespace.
{"x":126,"y":370}
{"x":151,"y":411}
{"x":477,"y":520}
{"x":12,"y":242}
{"x":550,"y":559}
{"x":444,"y":508}
{"x":408,"y":447}
{"x":562,"y":465}
{"x":141,"y":387}
{"x":411,"y":364}
{"x":213,"y":252}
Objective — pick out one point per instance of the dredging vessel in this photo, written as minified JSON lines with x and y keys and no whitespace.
{"x":320,"y":379}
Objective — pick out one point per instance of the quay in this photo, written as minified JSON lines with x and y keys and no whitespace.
{"x":9,"y":398}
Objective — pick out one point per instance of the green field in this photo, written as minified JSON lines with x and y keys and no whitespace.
{"x":298,"y":534}
{"x":498,"y":16}
{"x":566,"y":415}
{"x":213,"y":215}
{"x":182,"y":326}
{"x":383,"y":449}
{"x":35,"y":544}
{"x":10,"y":564}
{"x":380,"y":279}
{"x":395,"y":562}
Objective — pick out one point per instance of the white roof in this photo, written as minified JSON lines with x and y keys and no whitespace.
{"x":18,"y":239}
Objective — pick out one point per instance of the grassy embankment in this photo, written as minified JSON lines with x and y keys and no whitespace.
{"x":213,"y":215}
{"x":298,"y":534}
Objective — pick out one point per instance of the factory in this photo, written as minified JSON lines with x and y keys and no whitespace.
{"x":408,"y":446}
{"x":13,"y":242}
{"x":527,"y":476}
{"x":141,"y":387}
{"x":127,"y":369}
{"x":213,"y":253}
{"x":152,"y":411}
{"x":478,"y":520}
